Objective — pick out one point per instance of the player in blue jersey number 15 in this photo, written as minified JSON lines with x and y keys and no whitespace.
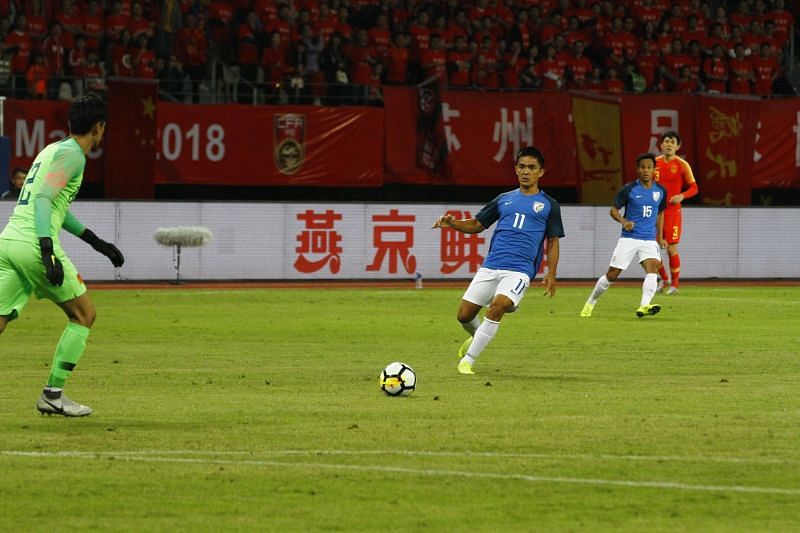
{"x":527,"y":218}
{"x":31,"y":257}
{"x":643,"y":202}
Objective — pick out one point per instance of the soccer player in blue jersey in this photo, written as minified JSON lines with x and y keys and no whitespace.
{"x":527,"y":219}
{"x":643,"y":201}
{"x":31,"y":257}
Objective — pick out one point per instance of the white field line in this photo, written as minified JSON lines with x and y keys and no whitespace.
{"x":670,"y":485}
{"x":463,"y":454}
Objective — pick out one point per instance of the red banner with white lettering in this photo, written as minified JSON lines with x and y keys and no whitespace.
{"x":265,"y":145}
{"x":33,"y":125}
{"x":645,"y":117}
{"x":483,"y":131}
{"x":725,"y":139}
{"x":776,"y":159}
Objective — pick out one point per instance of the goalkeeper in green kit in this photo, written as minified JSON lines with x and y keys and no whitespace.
{"x":31,"y":257}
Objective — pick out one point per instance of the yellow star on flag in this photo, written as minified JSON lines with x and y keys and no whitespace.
{"x":149,"y":107}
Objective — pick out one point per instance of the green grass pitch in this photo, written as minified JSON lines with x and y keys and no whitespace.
{"x":259,"y":410}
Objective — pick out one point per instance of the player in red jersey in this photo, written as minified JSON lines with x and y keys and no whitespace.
{"x":675,"y":175}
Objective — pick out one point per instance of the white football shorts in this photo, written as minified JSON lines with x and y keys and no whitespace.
{"x":488,"y":282}
{"x":629,"y":249}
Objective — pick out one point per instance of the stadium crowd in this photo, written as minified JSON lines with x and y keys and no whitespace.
{"x":332,"y":51}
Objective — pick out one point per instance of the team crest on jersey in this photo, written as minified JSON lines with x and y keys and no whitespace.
{"x":674,"y":168}
{"x":656,"y":195}
{"x":537,"y":207}
{"x":289,"y":150}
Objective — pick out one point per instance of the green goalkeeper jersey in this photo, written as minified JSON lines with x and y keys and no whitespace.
{"x":50,"y":187}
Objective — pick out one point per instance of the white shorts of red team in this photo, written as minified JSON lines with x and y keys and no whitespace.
{"x":629,"y":249}
{"x":489,"y":282}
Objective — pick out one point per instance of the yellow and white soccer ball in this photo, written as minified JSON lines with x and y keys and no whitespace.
{"x":398,"y":379}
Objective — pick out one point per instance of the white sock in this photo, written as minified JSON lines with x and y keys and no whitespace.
{"x":600,"y":287}
{"x":649,"y":288}
{"x":482,"y":337}
{"x":472,"y":326}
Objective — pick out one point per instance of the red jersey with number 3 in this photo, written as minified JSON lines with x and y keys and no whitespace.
{"x":672,"y":175}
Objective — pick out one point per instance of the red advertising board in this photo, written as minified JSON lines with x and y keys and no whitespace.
{"x":286,"y":146}
{"x":776,"y":158}
{"x":482,"y":132}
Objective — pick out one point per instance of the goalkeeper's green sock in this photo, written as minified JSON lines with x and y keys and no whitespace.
{"x":69,"y":350}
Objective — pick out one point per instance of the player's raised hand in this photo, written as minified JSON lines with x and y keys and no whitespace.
{"x":105,"y":248}
{"x":444,"y":221}
{"x":52,"y":266}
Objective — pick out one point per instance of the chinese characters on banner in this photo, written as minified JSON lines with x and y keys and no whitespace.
{"x":389,"y":241}
{"x":725,"y":142}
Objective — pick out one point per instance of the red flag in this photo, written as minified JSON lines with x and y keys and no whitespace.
{"x":130,"y":139}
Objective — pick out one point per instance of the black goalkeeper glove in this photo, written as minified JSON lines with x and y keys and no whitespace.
{"x":52,"y":266}
{"x":105,"y":248}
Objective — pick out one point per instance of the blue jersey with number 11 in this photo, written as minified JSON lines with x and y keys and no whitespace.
{"x":524,"y":221}
{"x":642,"y":206}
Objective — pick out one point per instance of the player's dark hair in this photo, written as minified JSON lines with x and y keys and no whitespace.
{"x":530,"y":151}
{"x":85,"y":112}
{"x":671,"y":133}
{"x":646,"y":155}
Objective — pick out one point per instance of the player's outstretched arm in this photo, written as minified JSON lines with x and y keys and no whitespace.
{"x":74,"y":226}
{"x":104,"y":247}
{"x":468,"y":225}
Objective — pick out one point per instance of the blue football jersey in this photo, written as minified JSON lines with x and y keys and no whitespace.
{"x":523,"y":223}
{"x":642,"y":206}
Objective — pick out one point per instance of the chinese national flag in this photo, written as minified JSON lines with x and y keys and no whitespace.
{"x":130,"y":138}
{"x":599,"y":144}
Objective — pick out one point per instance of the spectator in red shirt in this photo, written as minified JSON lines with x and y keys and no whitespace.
{"x":434,"y":58}
{"x":248,"y":37}
{"x":578,"y":67}
{"x":715,"y":71}
{"x":116,"y":21}
{"x":144,"y":59}
{"x":612,"y":83}
{"x":741,"y":71}
{"x":459,"y":63}
{"x":553,"y":72}
{"x":37,"y":77}
{"x":766,"y":70}
{"x":694,"y":32}
{"x":674,"y":61}
{"x":685,"y":83}
{"x":398,"y":59}
{"x":191,"y":49}
{"x":94,"y":25}
{"x":343,"y":26}
{"x":783,"y":22}
{"x":76,"y":61}
{"x":71,"y":22}
{"x":520,"y":31}
{"x":95,"y":73}
{"x":380,"y":36}
{"x":273,"y":63}
{"x":361,"y":58}
{"x":485,"y":69}
{"x":138,"y":24}
{"x":122,"y":59}
{"x":325,"y":24}
{"x":512,"y":65}
{"x":17,"y":44}
{"x":54,"y":51}
{"x":37,"y":23}
{"x":647,"y":64}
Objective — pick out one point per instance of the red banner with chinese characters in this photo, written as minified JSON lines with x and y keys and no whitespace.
{"x":725,"y":139}
{"x":776,"y":159}
{"x":597,"y":135}
{"x":266,"y":145}
{"x":130,"y":139}
{"x":483,"y":131}
{"x":33,"y":125}
{"x":645,"y":117}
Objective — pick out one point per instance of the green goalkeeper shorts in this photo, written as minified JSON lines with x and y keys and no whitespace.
{"x":22,"y":273}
